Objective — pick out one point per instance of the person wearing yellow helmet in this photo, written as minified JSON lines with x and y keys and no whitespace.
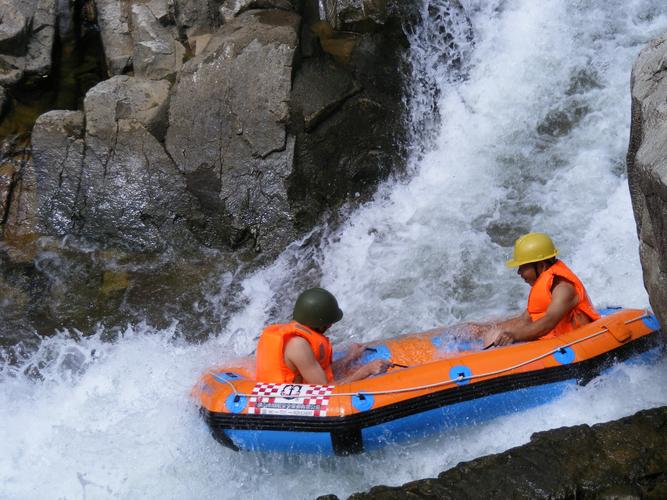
{"x":557,"y":303}
{"x":299,"y":352}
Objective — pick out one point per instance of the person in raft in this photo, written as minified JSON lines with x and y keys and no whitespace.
{"x":299,"y":352}
{"x":557,"y":302}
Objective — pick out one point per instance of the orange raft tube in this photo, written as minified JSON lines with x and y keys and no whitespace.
{"x":429,"y":389}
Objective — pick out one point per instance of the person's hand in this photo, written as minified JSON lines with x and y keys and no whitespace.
{"x":478,"y":329}
{"x":376,"y":367}
{"x":489,"y":337}
{"x":501,"y":339}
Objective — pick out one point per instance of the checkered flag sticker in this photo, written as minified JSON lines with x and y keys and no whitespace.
{"x":290,"y":399}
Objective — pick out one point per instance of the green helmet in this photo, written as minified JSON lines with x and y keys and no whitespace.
{"x":317,"y":309}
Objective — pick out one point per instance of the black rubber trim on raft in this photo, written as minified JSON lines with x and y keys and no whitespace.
{"x":346,"y":431}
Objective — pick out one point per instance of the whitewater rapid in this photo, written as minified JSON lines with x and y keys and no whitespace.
{"x":532,"y":135}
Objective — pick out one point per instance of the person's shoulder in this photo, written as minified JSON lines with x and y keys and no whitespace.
{"x":563,"y":285}
{"x":297,"y":346}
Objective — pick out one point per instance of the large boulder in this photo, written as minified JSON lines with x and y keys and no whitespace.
{"x":626,"y":459}
{"x":196,"y":17}
{"x":27,"y":34}
{"x":227,"y":130}
{"x":647,"y":168}
{"x":348,"y":113}
{"x":14,"y":28}
{"x":40,"y":46}
{"x":157,"y":54}
{"x":58,"y":160}
{"x":113,"y":184}
{"x":113,"y":18}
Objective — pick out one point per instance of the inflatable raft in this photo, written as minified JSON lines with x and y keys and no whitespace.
{"x":430,"y":388}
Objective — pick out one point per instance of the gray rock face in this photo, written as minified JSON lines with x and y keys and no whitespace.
{"x":195,"y":17}
{"x":135,"y":199}
{"x":647,"y":168}
{"x":27,"y":31}
{"x":227,"y":129}
{"x":353,"y":15}
{"x":113,"y":184}
{"x":162,"y":10}
{"x":156,"y":54}
{"x":40,"y":46}
{"x":622,"y":459}
{"x":125,"y":97}
{"x":348,"y":118}
{"x":7,"y":173}
{"x":232,"y":8}
{"x":250,"y":149}
{"x":113,"y":18}
{"x":3,"y":100}
{"x":58,"y":160}
{"x":13,"y":29}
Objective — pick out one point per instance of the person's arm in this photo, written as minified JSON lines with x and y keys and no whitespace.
{"x":299,"y":353}
{"x":375,"y":367}
{"x":354,"y":352}
{"x":564,"y":298}
{"x":490,"y":330}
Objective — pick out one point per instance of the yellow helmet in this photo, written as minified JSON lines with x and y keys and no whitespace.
{"x":532,"y":247}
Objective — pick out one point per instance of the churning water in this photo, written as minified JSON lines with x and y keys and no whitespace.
{"x":530,"y":133}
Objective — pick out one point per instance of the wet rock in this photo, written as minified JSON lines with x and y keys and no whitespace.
{"x":3,"y":100}
{"x":7,"y":174}
{"x":157,"y":54}
{"x":113,"y":19}
{"x":58,"y":161}
{"x":114,"y":282}
{"x":27,"y":34}
{"x":162,"y":10}
{"x":13,"y":29}
{"x":232,"y":8}
{"x":11,"y":70}
{"x":227,"y":130}
{"x":354,"y":15}
{"x":647,"y":168}
{"x":40,"y":46}
{"x":320,"y":88}
{"x":135,"y":198}
{"x":197,"y":17}
{"x":114,"y":185}
{"x":626,"y":458}
{"x":348,"y":117}
{"x":21,"y":227}
{"x":126,"y":97}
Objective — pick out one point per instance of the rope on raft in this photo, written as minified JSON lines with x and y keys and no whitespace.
{"x":460,"y":378}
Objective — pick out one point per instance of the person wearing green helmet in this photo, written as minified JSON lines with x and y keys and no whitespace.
{"x":557,"y":303}
{"x":299,"y":352}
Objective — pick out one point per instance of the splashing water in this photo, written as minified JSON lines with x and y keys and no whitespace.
{"x":530,"y":134}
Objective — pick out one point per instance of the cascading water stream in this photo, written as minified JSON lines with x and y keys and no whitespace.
{"x":530,"y":133}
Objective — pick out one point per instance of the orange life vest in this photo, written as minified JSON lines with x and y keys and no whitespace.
{"x":540,"y":298}
{"x":270,"y":356}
